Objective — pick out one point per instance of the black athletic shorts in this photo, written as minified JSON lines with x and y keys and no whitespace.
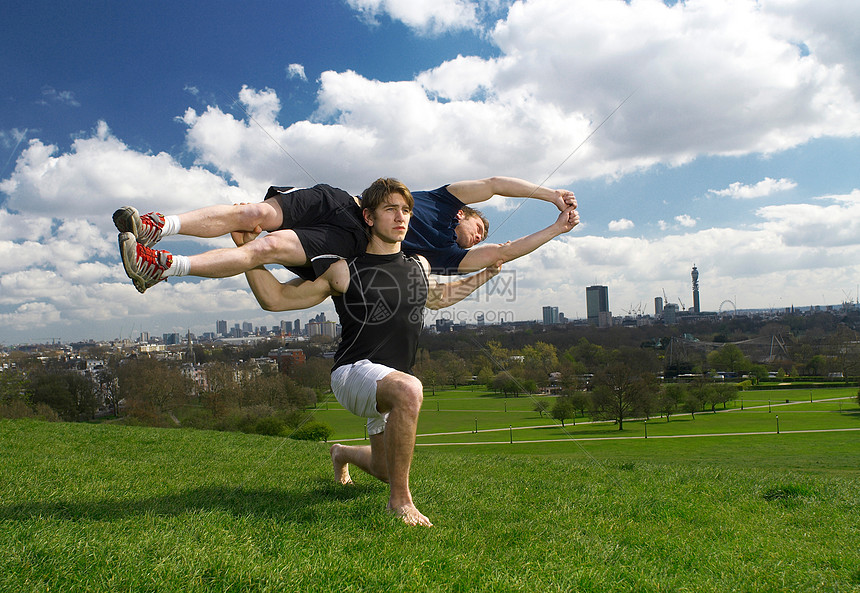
{"x":327,"y":221}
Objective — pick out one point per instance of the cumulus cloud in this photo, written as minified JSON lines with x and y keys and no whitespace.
{"x":762,"y":95}
{"x":763,"y":188}
{"x":424,"y":16}
{"x":621,"y":224}
{"x":296,"y":71}
{"x":685,"y":220}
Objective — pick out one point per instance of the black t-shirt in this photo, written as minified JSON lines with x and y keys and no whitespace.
{"x":382,"y":311}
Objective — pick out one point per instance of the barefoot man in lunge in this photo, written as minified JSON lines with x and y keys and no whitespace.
{"x":380,"y":298}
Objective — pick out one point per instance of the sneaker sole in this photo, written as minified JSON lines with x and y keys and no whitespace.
{"x":127,"y":220}
{"x":128,"y":251}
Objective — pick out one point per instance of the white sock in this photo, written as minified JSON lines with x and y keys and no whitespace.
{"x":180,"y":267}
{"x":171,"y":226}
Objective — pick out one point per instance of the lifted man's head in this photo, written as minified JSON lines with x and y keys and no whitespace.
{"x":472,"y":227}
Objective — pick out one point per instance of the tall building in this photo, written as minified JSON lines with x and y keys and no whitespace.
{"x":695,"y":275}
{"x":550,"y":315}
{"x":658,"y":306}
{"x":221,"y":328}
{"x":597,"y":305}
{"x":670,"y":313}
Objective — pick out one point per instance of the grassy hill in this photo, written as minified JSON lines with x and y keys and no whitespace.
{"x":108,"y":508}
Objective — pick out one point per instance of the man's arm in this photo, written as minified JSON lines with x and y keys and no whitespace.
{"x":295,"y":294}
{"x":450,"y":293}
{"x":480,"y":190}
{"x":287,"y":296}
{"x":481,"y":256}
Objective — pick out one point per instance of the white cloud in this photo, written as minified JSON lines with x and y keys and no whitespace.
{"x":99,"y":174}
{"x":763,"y":188}
{"x":473,"y":116}
{"x":296,"y":71}
{"x":427,"y":16}
{"x":814,"y":225}
{"x":685,"y":220}
{"x":30,"y":315}
{"x":621,"y":224}
{"x":52,"y":95}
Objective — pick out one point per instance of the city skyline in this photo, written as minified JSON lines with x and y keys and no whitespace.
{"x":748,"y":171}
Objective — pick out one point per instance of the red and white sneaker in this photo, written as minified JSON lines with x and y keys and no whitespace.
{"x":146,"y":228}
{"x":143,"y":265}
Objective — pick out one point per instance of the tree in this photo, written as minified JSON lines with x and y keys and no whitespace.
{"x":152,"y":387}
{"x":729,"y":358}
{"x":671,"y":397}
{"x":620,"y":389}
{"x":452,"y":368}
{"x":539,"y":361}
{"x":71,"y":395}
{"x":563,"y":408}
{"x":314,"y":373}
{"x":541,"y":407}
{"x":591,"y":355}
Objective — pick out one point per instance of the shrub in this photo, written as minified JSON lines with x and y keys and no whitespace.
{"x":313,"y":431}
{"x":271,"y":426}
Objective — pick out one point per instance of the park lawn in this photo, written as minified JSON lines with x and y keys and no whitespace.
{"x":448,"y":413}
{"x":110,"y":508}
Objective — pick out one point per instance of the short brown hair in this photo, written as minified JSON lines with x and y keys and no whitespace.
{"x":379,"y":190}
{"x":469,"y":212}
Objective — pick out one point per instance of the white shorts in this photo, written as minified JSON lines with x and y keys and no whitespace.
{"x":354,"y":386}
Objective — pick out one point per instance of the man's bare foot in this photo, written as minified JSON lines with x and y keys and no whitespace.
{"x":410,"y":515}
{"x":341,"y":467}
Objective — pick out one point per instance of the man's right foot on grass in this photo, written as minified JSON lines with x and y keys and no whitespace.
{"x":143,"y":265}
{"x":146,"y":229}
{"x":410,"y":515}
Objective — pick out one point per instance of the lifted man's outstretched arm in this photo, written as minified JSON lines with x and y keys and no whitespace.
{"x":480,"y":190}
{"x":481,"y":256}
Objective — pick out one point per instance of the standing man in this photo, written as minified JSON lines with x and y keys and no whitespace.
{"x":312,"y":227}
{"x":379,"y":296}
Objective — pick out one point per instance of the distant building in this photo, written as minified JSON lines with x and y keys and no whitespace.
{"x":550,"y":315}
{"x":658,"y":306}
{"x":287,"y":357}
{"x":670,"y":313}
{"x":171,"y":339}
{"x":221,"y":328}
{"x":695,"y":276}
{"x":597,"y":305}
{"x":322,"y":328}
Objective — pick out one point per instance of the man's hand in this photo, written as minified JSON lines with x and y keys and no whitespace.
{"x":494,"y":269}
{"x":563,"y":199}
{"x":568,"y":219}
{"x":242,"y":237}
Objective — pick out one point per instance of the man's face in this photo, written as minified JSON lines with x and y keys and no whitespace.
{"x":390,"y":220}
{"x":469,"y":231}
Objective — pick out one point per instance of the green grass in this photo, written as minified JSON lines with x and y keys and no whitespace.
{"x":108,"y":508}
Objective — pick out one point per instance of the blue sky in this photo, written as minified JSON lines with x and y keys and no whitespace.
{"x":738,"y":149}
